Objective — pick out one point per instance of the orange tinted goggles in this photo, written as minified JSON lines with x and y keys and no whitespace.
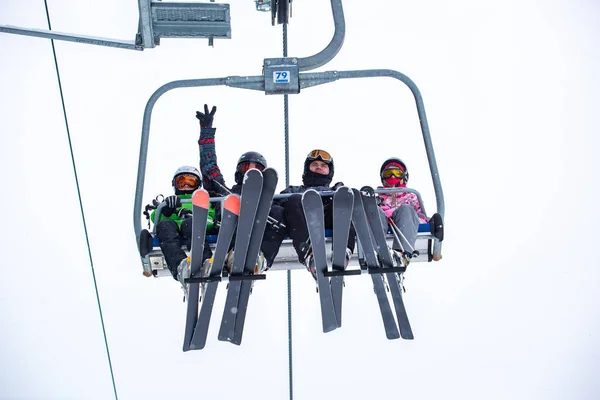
{"x":245,"y":166}
{"x":392,"y":172}
{"x":187,"y":179}
{"x":322,"y":154}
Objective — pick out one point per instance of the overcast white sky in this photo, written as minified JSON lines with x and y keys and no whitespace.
{"x":512,"y":311}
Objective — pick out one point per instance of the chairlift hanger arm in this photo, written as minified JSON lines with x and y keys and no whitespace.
{"x":157,"y":19}
{"x":121,"y":44}
{"x":334,"y":46}
{"x":318,"y":78}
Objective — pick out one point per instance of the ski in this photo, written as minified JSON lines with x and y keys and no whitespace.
{"x":251,"y":191}
{"x":229,"y":219}
{"x":313,"y":211}
{"x":200,"y":203}
{"x":343,"y":200}
{"x":359,"y":219}
{"x":373,"y":216}
{"x":260,"y":222}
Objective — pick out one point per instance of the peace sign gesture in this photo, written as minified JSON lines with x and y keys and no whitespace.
{"x":206,"y":118}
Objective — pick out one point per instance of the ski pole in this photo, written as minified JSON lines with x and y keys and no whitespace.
{"x":225,"y":188}
{"x":396,"y":231}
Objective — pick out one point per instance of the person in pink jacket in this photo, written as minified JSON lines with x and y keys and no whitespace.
{"x":403,"y":208}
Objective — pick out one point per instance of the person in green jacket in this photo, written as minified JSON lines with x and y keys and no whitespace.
{"x":175,"y":223}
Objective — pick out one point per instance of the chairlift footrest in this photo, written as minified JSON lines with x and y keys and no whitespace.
{"x":226,"y":278}
{"x":370,"y":271}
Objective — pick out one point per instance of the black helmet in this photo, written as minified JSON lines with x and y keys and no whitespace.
{"x":394,"y":160}
{"x":248,"y":157}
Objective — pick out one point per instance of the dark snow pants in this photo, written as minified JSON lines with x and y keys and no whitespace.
{"x":171,"y":236}
{"x":274,"y":235}
{"x":297,"y":229}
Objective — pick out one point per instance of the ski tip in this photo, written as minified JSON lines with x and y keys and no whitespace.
{"x":270,"y":171}
{"x":200,"y":198}
{"x":310,"y":192}
{"x":232,"y":204}
{"x":367,"y":191}
{"x":252,"y":172}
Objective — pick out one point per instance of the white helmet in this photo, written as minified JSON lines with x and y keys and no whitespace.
{"x":186,"y":169}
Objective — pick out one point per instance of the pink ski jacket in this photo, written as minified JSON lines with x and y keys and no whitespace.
{"x":391,"y":201}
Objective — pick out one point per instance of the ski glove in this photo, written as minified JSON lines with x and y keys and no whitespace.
{"x":206,"y":118}
{"x":337,"y":185}
{"x":173,"y":202}
{"x":387,"y":210}
{"x":184,"y":213}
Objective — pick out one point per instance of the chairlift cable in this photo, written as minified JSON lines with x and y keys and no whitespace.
{"x":287,"y":183}
{"x":62,"y":99}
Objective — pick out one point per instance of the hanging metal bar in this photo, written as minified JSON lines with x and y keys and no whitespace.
{"x":334,"y":46}
{"x":158,"y":19}
{"x":122,"y":44}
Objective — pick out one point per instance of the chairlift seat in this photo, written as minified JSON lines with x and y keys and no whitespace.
{"x":155,"y":265}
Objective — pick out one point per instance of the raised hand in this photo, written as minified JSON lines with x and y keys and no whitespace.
{"x":206,"y":118}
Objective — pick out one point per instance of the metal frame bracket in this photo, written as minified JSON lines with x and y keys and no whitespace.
{"x":282,"y":75}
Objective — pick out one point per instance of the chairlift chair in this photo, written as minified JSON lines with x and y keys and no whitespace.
{"x":285,"y":76}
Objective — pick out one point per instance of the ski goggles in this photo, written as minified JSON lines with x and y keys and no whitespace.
{"x":322,"y":154}
{"x":187,"y":180}
{"x":392,"y":172}
{"x":245,"y":166}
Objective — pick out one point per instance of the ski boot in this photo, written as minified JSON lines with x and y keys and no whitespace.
{"x":348,"y":257}
{"x":309,"y":263}
{"x":261,"y":264}
{"x":259,"y":268}
{"x":205,"y":272}
{"x":402,"y":258}
{"x":228,"y":267}
{"x":183,"y":273}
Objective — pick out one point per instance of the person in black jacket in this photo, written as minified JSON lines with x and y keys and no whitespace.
{"x":317,"y":175}
{"x":214,"y":183}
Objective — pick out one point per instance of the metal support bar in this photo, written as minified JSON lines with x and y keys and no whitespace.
{"x":122,"y":44}
{"x":145,"y":29}
{"x":334,"y":46}
{"x":157,"y":19}
{"x":281,"y":75}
